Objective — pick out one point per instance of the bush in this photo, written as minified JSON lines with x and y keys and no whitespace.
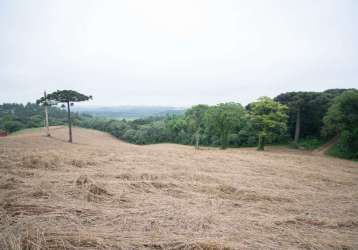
{"x":342,"y":119}
{"x":310,"y":143}
{"x":12,"y":126}
{"x":339,"y":151}
{"x":347,"y":147}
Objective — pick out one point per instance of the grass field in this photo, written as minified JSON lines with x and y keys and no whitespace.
{"x":27,"y":131}
{"x":101,"y":193}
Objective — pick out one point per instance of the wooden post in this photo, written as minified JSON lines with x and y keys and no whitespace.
{"x":69,"y":121}
{"x":46,"y":116}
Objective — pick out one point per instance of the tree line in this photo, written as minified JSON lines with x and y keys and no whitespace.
{"x":223,"y":125}
{"x":14,"y":117}
{"x":302,"y":119}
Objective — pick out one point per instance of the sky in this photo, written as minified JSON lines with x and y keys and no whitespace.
{"x":176,"y":52}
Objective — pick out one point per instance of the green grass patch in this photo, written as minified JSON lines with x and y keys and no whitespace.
{"x":338,"y":151}
{"x":309,"y":143}
{"x":27,"y":130}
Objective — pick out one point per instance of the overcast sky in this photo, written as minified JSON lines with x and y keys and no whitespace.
{"x":177,"y":53}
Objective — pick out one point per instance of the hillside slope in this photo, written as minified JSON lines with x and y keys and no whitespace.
{"x":101,"y":193}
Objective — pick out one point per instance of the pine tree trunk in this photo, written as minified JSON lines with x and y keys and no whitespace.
{"x":298,"y":125}
{"x":46,"y":116}
{"x":69,"y":122}
{"x":46,"y":122}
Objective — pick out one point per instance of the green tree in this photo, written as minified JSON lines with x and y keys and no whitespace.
{"x":306,"y":111}
{"x":224,"y":118}
{"x":177,"y":127}
{"x":68,"y":97}
{"x":195,"y":121}
{"x":12,"y":126}
{"x":29,"y":115}
{"x":269,"y":119}
{"x":296,"y":103}
{"x":342,"y":119}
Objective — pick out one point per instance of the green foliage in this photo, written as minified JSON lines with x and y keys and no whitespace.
{"x":269,"y":119}
{"x":339,"y":150}
{"x":312,"y":106}
{"x":342,"y":119}
{"x":178,"y":129}
{"x":14,"y":117}
{"x":143,"y":131}
{"x":224,"y":125}
{"x":12,"y":126}
{"x":65,"y":96}
{"x":195,"y":121}
{"x":223,"y":119}
{"x":310,"y":143}
{"x":221,"y":125}
{"x":343,"y":114}
{"x":247,"y":136}
{"x":194,"y":117}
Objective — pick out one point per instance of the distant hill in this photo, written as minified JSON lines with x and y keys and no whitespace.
{"x":129,"y":112}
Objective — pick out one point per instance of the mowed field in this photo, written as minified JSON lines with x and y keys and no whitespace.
{"x":101,"y":193}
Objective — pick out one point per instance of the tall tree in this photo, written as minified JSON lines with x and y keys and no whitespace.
{"x":195,"y":121}
{"x":306,"y":111}
{"x":342,"y":119}
{"x":222,"y":119}
{"x":269,"y":118}
{"x":68,"y":97}
{"x":296,"y":103}
{"x":46,"y":103}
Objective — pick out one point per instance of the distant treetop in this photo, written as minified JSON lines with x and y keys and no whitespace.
{"x":68,"y":96}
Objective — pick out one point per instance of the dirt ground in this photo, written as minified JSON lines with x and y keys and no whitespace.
{"x":101,"y":193}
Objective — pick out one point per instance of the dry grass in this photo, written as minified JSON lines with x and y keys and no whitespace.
{"x":100,"y":193}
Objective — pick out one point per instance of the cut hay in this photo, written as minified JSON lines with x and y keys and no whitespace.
{"x":87,"y":183}
{"x":101,"y":193}
{"x":35,"y":238}
{"x":40,"y":162}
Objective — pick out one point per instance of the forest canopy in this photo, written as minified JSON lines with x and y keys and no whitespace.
{"x":14,"y":117}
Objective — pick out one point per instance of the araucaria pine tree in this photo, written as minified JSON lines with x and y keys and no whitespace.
{"x":68,"y":97}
